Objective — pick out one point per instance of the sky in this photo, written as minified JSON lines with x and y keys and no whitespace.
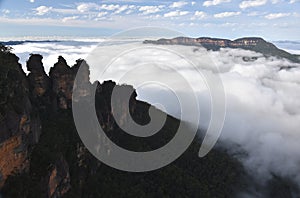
{"x":270,"y":19}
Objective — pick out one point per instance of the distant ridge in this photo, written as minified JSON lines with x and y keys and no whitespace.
{"x":69,"y":42}
{"x":27,"y":41}
{"x":256,"y":44}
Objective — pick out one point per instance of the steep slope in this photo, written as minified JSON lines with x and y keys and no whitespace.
{"x":20,"y":126}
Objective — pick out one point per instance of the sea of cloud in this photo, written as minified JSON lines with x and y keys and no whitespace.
{"x":262,"y":122}
{"x":70,"y":50}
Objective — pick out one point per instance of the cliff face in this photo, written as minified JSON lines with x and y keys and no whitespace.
{"x":210,"y":43}
{"x":59,"y":179}
{"x":19,"y":120}
{"x":22,"y":100}
{"x":39,"y":82}
{"x":62,"y":78}
{"x":249,"y":43}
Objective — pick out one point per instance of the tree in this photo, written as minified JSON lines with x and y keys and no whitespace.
{"x":5,"y":49}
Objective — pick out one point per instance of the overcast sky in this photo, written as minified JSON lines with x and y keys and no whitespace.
{"x":271,"y":19}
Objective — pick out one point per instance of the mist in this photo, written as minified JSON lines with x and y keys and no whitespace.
{"x":262,"y":122}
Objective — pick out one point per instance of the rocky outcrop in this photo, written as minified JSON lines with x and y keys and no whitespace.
{"x":19,"y":120}
{"x":59,"y":179}
{"x":24,"y":99}
{"x":209,"y":43}
{"x":62,"y":79}
{"x":39,"y":82}
{"x":249,"y":43}
{"x":13,"y":154}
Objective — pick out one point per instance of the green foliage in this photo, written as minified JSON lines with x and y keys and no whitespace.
{"x":8,"y":62}
{"x":268,"y":49}
{"x":5,"y":49}
{"x":217,"y":175}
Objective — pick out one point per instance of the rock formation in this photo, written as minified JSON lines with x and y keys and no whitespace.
{"x":249,"y":43}
{"x":59,"y":179}
{"x":20,"y":125}
{"x":39,"y":82}
{"x":25,"y":98}
{"x":62,"y":79}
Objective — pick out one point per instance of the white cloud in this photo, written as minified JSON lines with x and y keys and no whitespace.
{"x":229,"y":24}
{"x":226,"y":14}
{"x":131,"y":9}
{"x":65,"y":19}
{"x":31,"y":1}
{"x":150,"y":9}
{"x":294,"y":1}
{"x":176,"y":13}
{"x":85,"y":21}
{"x":275,"y":1}
{"x":5,"y":11}
{"x":110,"y":7}
{"x":121,"y":9}
{"x":129,"y":12}
{"x":277,"y":15}
{"x":66,"y":11}
{"x":178,"y":4}
{"x":42,"y":10}
{"x":193,"y":3}
{"x":214,"y":2}
{"x":262,"y":103}
{"x":102,"y":14}
{"x":199,"y":15}
{"x":85,"y":7}
{"x":157,"y":16}
{"x":252,"y":3}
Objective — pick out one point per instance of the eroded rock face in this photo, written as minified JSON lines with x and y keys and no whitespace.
{"x":38,"y":79}
{"x":62,"y":79}
{"x":22,"y":100}
{"x":19,"y":121}
{"x":59,"y":179}
{"x":39,"y":82}
{"x":210,"y":43}
{"x":13,"y":154}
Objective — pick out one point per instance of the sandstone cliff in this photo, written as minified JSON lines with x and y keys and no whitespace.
{"x":23,"y":99}
{"x":19,"y":119}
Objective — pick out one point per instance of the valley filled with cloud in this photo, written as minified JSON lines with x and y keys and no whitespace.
{"x":262,"y":122}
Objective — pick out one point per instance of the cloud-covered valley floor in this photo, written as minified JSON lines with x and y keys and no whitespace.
{"x":262,"y":97}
